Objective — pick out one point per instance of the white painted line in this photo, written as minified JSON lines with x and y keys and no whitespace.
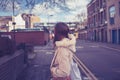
{"x":43,"y":50}
{"x":94,"y":46}
{"x":36,"y":65}
{"x":49,"y":52}
{"x":79,"y":47}
{"x":111,"y":48}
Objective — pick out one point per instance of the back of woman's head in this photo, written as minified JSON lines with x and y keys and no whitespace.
{"x":61,"y":30}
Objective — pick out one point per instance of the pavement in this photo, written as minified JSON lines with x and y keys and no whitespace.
{"x":95,"y":55}
{"x":39,"y":63}
{"x":49,"y":47}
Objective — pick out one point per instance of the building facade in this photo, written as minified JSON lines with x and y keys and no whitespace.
{"x":82,"y":30}
{"x":30,"y":20}
{"x":97,"y":20}
{"x":113,"y":18}
{"x":5,"y":23}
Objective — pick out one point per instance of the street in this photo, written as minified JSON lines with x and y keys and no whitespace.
{"x":101,"y":61}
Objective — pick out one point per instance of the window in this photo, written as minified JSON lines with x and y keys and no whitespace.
{"x":112,"y":14}
{"x":100,"y":3}
{"x":119,"y":8}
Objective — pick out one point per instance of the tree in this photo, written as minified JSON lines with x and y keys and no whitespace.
{"x":5,"y":5}
{"x":12,"y":5}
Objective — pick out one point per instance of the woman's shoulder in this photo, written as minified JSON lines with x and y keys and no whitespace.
{"x":65,"y":42}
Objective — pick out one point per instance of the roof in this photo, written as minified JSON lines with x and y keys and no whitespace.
{"x":5,"y":17}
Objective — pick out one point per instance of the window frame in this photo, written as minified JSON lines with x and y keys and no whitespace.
{"x":119,"y":7}
{"x":112,"y":13}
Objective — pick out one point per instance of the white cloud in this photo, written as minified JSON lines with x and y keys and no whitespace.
{"x":70,"y":18}
{"x":75,"y":4}
{"x":40,"y":9}
{"x":75,"y":7}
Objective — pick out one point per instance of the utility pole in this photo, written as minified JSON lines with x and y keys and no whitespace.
{"x":13,"y":7}
{"x":13,"y":23}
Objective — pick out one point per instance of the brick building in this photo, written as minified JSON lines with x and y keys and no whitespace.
{"x":113,"y":18}
{"x":30,"y":20}
{"x":97,"y":20}
{"x":82,"y":29}
{"x":5,"y":23}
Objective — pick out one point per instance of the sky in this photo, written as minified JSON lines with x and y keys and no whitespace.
{"x":67,"y":12}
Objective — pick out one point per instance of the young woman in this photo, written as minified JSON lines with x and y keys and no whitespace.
{"x":61,"y":63}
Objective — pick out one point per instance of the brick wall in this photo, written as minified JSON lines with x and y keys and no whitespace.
{"x":33,"y":37}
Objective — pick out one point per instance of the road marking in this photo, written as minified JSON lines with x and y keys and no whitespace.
{"x":49,"y":52}
{"x":111,"y":48}
{"x":36,"y":65}
{"x":79,"y":47}
{"x":87,"y":72}
{"x":43,"y":50}
{"x":94,"y":46}
{"x":85,"y":78}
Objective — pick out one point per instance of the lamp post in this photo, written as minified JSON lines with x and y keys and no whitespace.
{"x":13,"y":7}
{"x":49,"y":21}
{"x":14,"y":23}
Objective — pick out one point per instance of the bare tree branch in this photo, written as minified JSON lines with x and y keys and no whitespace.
{"x":30,"y":4}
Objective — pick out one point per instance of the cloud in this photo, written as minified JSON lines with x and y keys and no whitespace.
{"x":76,"y":4}
{"x":76,"y":9}
{"x":41,"y":9}
{"x":9,"y":6}
{"x":65,"y":12}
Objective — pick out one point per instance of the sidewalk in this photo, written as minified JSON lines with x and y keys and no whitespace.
{"x":36,"y":49}
{"x":39,"y":63}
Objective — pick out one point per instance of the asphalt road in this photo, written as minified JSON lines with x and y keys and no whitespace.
{"x":102,"y":60}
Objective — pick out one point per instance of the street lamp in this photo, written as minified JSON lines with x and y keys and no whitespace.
{"x":48,"y":20}
{"x":14,"y":23}
{"x":7,"y":27}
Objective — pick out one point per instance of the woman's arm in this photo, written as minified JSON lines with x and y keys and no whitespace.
{"x":72,"y":41}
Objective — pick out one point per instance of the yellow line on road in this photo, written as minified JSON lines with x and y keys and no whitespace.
{"x":87,"y":72}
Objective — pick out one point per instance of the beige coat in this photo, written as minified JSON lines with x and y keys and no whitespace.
{"x":62,"y":64}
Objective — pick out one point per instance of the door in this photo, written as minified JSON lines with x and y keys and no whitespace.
{"x":102,"y":32}
{"x":114,"y":36}
{"x":119,"y":36}
{"x":95,"y":35}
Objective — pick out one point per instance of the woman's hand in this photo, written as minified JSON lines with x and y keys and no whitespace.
{"x":71,"y":36}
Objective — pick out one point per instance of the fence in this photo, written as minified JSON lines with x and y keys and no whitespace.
{"x":11,"y":65}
